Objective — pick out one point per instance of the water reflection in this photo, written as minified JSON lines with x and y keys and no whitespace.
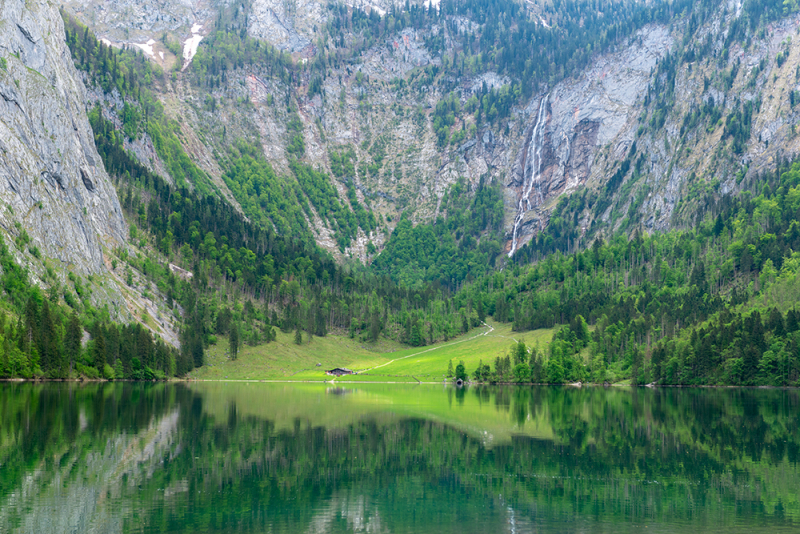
{"x":374,"y":458}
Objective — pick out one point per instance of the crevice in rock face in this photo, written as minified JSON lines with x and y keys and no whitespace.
{"x":53,"y":178}
{"x":87,"y":182}
{"x":10,"y":96}
{"x":26,"y":33}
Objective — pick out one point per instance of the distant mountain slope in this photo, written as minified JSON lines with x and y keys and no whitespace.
{"x":643,"y":109}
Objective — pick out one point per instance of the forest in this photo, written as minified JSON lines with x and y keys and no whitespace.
{"x":711,"y":305}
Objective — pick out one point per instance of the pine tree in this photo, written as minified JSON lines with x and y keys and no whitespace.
{"x":479,"y":308}
{"x":234,"y":341}
{"x":520,"y":353}
{"x":99,"y":350}
{"x":72,"y":342}
{"x":48,"y":343}
{"x":298,"y":336}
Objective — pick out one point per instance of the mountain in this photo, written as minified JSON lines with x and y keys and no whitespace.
{"x":401,"y":102}
{"x":407,"y":170}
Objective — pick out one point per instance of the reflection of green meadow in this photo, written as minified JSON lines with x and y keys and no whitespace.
{"x":385,"y":362}
{"x":471,"y":410}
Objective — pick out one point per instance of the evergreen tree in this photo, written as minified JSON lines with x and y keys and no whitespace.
{"x":520,"y":353}
{"x":375,"y":324}
{"x":98,"y":350}
{"x":234,"y":341}
{"x":298,"y":336}
{"x":72,"y":342}
{"x":320,"y":328}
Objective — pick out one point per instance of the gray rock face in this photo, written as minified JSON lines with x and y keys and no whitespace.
{"x":136,"y":21}
{"x":52,"y":180}
{"x":582,"y":115}
{"x":288,"y":25}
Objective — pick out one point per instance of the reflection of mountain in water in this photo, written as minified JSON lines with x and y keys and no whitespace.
{"x":156,"y":458}
{"x":76,"y":479}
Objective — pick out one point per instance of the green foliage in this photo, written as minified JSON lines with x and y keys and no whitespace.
{"x":522,"y":373}
{"x":343,"y":162}
{"x":444,"y":117}
{"x":183,"y":170}
{"x":126,"y":71}
{"x":130,"y":73}
{"x":325,"y":199}
{"x":46,"y":341}
{"x":294,"y":129}
{"x":461,"y":371}
{"x":680,"y":307}
{"x":465,"y":244}
{"x":229,"y":47}
{"x":264,"y":196}
{"x":738,"y":125}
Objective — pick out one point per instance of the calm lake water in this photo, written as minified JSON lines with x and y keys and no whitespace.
{"x":281,"y":458}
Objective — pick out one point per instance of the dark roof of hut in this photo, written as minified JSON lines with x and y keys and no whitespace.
{"x":339,"y":371}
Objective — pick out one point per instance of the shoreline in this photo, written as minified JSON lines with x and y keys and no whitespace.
{"x":357,"y":382}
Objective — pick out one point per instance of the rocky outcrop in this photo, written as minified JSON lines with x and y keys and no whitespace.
{"x":52,"y":181}
{"x":286,"y":25}
{"x":600,"y":109}
{"x":138,"y":21}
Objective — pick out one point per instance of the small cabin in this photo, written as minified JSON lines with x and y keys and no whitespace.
{"x":339,"y":371}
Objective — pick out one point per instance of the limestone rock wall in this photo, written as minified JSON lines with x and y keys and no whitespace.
{"x":52,"y":181}
{"x":590,"y":123}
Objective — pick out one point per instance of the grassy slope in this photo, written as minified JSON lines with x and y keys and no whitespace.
{"x":383,"y":362}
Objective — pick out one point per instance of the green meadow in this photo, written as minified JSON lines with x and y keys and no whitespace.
{"x":381,"y":362}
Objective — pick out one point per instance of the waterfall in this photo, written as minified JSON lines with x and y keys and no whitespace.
{"x":530,"y":172}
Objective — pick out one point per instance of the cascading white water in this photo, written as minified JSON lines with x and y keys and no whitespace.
{"x":530,"y":172}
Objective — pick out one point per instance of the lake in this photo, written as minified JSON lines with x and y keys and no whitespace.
{"x":281,"y":458}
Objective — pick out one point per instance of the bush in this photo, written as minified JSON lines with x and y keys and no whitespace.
{"x":522,"y":373}
{"x":108,"y":372}
{"x":87,"y":372}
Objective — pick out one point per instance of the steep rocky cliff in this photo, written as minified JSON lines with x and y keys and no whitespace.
{"x":579,"y":133}
{"x":52,"y":182}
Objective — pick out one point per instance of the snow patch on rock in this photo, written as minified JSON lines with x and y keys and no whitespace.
{"x":191,"y":44}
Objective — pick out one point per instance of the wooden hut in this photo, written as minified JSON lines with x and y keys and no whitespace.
{"x":339,"y":371}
